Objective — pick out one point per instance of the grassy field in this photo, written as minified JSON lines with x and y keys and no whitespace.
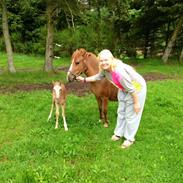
{"x":31,"y":150}
{"x":30,"y":62}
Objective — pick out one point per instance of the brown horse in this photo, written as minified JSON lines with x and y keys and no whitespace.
{"x":87,"y":63}
{"x":58,"y":99}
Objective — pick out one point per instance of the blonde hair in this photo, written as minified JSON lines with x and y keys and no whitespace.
{"x":106,"y":54}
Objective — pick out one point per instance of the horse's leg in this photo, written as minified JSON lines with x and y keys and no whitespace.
{"x":57,"y":115}
{"x":99,"y":102}
{"x":52,"y":105}
{"x":104,"y":110}
{"x":63,"y":116}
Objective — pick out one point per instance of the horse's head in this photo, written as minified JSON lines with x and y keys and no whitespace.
{"x":56,"y":89}
{"x":78,"y":64}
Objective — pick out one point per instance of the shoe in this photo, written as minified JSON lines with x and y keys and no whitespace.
{"x":115,"y":138}
{"x":126,"y":144}
{"x":106,"y":125}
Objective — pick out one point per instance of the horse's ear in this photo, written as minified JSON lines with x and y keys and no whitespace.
{"x":88,"y":54}
{"x":82,"y":51}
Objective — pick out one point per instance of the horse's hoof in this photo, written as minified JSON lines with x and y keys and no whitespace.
{"x":106,"y":125}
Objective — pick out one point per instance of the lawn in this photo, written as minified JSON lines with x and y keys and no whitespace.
{"x":31,"y":150}
{"x":30,"y":62}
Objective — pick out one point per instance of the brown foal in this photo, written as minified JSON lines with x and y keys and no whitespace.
{"x":58,"y":99}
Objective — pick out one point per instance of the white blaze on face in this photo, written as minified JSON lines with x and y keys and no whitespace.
{"x":70,"y":68}
{"x":57,"y":90}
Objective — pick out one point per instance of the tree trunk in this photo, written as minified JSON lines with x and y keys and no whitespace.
{"x":48,"y":66}
{"x":181,"y":57}
{"x":172,"y":41}
{"x":7,"y":39}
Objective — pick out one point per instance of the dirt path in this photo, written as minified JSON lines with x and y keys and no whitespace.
{"x":76,"y":88}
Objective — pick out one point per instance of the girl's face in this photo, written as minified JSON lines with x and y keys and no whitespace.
{"x":105,"y":64}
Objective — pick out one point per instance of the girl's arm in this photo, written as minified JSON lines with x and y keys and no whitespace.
{"x":93,"y":78}
{"x":136,"y":102}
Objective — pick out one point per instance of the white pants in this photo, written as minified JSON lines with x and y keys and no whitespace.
{"x":128,"y":121}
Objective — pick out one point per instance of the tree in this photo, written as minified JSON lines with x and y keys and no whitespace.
{"x":7,"y":39}
{"x":172,"y":40}
{"x":48,"y":66}
{"x":152,"y":22}
{"x":52,"y":10}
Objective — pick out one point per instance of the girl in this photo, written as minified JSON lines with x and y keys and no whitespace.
{"x":131,"y":95}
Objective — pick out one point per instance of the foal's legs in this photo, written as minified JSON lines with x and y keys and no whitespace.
{"x":57,"y":115}
{"x":63,"y":115}
{"x":52,"y":105}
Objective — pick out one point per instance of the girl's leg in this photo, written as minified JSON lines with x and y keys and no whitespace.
{"x":120,"y":126}
{"x":133,"y":119}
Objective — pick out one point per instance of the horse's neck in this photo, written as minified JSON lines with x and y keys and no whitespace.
{"x":92,"y":66}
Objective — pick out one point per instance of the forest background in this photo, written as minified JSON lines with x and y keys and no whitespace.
{"x":129,"y":28}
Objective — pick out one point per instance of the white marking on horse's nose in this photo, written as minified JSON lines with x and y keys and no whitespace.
{"x":70,"y":68}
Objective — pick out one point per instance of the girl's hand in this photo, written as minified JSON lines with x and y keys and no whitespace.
{"x":80,"y":78}
{"x":137,"y":107}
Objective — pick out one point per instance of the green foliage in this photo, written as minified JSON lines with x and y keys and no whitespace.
{"x":124,"y":27}
{"x":2,"y":45}
{"x":25,"y":26}
{"x":94,"y":35}
{"x":33,"y":151}
{"x":153,"y":33}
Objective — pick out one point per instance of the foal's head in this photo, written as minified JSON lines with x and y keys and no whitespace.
{"x":56,"y":89}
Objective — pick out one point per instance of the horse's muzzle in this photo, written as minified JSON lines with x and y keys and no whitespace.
{"x":71,"y":77}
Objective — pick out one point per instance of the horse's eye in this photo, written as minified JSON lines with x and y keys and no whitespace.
{"x":77,"y":63}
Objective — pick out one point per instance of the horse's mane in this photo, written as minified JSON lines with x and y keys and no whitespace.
{"x":81,"y":52}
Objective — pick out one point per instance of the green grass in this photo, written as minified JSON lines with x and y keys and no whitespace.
{"x":30,"y":62}
{"x":173,"y":69}
{"x":31,"y":77}
{"x":30,"y":70}
{"x":31,"y":150}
